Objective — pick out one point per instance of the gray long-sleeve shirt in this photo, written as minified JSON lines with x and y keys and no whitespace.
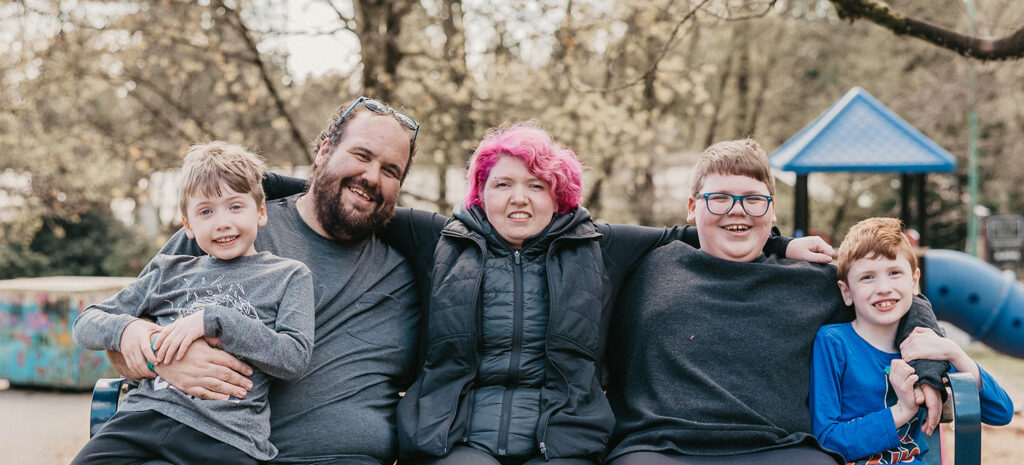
{"x":343,"y":406}
{"x":261,"y":306}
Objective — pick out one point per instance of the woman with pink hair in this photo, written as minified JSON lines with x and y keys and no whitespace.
{"x":519,"y":285}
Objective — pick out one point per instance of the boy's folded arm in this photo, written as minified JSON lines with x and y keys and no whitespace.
{"x":282,"y":351}
{"x":101,"y":325}
{"x":96,"y":329}
{"x":856,"y":438}
{"x":860,"y":437}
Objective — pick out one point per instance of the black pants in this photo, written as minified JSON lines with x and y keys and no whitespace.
{"x":138,"y":437}
{"x":803,"y":455}
{"x":463,"y":455}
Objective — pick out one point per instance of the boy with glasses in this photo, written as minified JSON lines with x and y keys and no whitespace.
{"x":712,"y":346}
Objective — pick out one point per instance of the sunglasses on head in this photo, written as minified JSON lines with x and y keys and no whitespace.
{"x":380,"y":108}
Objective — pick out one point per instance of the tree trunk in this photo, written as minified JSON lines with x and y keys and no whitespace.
{"x":378,"y":26}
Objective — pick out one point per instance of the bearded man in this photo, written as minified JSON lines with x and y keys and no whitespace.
{"x":342,"y":411}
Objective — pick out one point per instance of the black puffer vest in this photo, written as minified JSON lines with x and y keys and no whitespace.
{"x":549,"y":400}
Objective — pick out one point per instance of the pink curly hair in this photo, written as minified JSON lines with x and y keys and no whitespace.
{"x":544,"y":158}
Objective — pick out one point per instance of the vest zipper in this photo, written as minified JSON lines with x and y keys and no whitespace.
{"x":517,"y":349}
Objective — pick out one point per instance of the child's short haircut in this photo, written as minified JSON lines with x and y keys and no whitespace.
{"x":209,"y":165}
{"x":875,"y":237}
{"x":743,"y":157}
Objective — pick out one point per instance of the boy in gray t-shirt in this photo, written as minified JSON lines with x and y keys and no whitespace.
{"x":257,"y":306}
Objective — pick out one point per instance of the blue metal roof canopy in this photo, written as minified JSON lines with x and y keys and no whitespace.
{"x":859,"y":133}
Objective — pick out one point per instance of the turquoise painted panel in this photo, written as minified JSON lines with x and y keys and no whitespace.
{"x":36,"y":317}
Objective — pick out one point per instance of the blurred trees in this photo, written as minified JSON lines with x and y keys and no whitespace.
{"x":99,"y":94}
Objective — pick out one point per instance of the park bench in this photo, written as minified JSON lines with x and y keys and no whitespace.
{"x":962,"y":408}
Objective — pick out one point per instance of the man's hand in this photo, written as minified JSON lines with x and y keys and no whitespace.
{"x":175,"y":339}
{"x":208,"y":373}
{"x":933,"y":401}
{"x":136,"y":348}
{"x":810,"y":249}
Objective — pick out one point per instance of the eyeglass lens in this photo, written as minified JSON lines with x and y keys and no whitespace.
{"x":753,"y":205}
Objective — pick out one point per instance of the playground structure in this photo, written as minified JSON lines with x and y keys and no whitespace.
{"x":859,"y":133}
{"x":976,"y":297}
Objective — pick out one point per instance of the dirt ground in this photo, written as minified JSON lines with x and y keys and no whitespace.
{"x":48,"y":428}
{"x":41,"y":428}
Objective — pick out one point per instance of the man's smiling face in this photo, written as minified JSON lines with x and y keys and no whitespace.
{"x":356,"y":185}
{"x":734,"y":236}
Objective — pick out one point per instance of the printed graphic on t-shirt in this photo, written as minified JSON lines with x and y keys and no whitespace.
{"x":202,"y":293}
{"x":216,"y":292}
{"x":908,"y":448}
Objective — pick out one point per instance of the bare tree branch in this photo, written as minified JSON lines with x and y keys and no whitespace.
{"x":653,"y":67}
{"x":881,"y":13}
{"x":243,"y":31}
{"x":757,"y":14}
{"x":170,"y":101}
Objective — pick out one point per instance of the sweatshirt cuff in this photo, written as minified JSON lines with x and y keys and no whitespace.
{"x":930,"y":372}
{"x":120,"y":323}
{"x":213,"y":324}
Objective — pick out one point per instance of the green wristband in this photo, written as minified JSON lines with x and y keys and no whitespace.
{"x":151,"y":344}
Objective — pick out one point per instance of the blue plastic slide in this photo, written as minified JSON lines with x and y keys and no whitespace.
{"x":976,"y":297}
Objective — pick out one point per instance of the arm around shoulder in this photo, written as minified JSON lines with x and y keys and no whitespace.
{"x":276,"y":186}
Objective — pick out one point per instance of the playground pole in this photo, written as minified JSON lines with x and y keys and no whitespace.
{"x":972,"y":147}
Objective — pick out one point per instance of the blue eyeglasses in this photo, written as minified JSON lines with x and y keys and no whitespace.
{"x":381,"y":109}
{"x":721,"y":204}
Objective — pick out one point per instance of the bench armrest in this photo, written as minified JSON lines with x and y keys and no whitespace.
{"x":105,"y":395}
{"x":963,"y":409}
{"x":967,"y":418}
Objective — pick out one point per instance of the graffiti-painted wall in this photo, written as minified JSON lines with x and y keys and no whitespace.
{"x":36,"y":316}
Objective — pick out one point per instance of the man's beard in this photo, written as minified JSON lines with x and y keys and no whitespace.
{"x":341,"y":221}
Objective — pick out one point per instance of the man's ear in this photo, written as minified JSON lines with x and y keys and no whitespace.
{"x":188,"y":229}
{"x":691,"y":208}
{"x":845,"y":290}
{"x":322,"y":153}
